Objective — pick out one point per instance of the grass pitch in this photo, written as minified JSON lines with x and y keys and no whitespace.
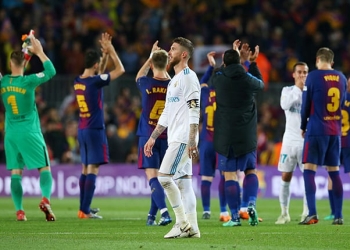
{"x":123,"y":227}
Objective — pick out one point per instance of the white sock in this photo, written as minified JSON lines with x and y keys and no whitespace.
{"x":163,"y":210}
{"x":174,"y":197}
{"x":305,"y":207}
{"x":243,"y":209}
{"x":189,"y":201}
{"x":284,"y":197}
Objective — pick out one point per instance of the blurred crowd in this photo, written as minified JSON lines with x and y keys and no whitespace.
{"x":286,"y":31}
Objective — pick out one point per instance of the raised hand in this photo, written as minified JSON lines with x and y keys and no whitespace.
{"x":155,"y":46}
{"x":254,"y":56}
{"x":244,"y":52}
{"x":236,"y":44}
{"x":211,"y":59}
{"x":35,"y":46}
{"x":106,"y":43}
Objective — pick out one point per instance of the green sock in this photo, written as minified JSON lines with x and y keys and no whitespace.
{"x":17,"y":191}
{"x":46,"y":183}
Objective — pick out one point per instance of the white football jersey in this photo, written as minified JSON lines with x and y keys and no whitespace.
{"x":183,"y":90}
{"x":291,"y":98}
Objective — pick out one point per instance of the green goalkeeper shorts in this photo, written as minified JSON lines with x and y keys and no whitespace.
{"x":25,"y":149}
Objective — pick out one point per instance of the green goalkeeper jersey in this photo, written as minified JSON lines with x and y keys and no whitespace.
{"x":18,"y":96}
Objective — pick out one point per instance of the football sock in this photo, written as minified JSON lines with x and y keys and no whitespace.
{"x":17,"y":191}
{"x":164,"y":212}
{"x":189,"y":200}
{"x":46,"y":183}
{"x":232,"y":197}
{"x":89,"y":190}
{"x":331,"y":200}
{"x":337,"y":193}
{"x":82,"y":180}
{"x":250,"y":188}
{"x":310,"y":190}
{"x":174,"y":197}
{"x":153,"y":209}
{"x":155,"y":187}
{"x":305,"y":207}
{"x":205,"y":193}
{"x":284,"y":197}
{"x":222,"y":197}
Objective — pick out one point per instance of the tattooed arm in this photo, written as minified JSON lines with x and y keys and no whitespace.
{"x":147,"y":149}
{"x":192,"y":144}
{"x":157,"y":131}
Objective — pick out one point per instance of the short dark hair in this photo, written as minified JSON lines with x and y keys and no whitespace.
{"x":325,"y":54}
{"x":17,"y":57}
{"x":299,"y":64}
{"x":91,"y":57}
{"x":187,"y":44}
{"x":160,"y":59}
{"x":231,"y":56}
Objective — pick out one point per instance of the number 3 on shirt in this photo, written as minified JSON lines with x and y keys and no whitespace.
{"x":334,"y":93}
{"x":82,"y":104}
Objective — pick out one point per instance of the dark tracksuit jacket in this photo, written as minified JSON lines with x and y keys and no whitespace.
{"x":235,"y":121}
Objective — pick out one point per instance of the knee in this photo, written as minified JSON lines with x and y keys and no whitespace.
{"x":165,"y":181}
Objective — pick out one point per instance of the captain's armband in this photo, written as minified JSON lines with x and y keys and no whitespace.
{"x":194,"y":103}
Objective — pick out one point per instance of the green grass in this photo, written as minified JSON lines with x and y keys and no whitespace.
{"x":123,"y":227}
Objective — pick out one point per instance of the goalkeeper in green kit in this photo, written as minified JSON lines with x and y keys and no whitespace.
{"x":24,"y":141}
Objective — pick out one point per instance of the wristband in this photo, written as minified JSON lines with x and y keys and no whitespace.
{"x":246,"y":63}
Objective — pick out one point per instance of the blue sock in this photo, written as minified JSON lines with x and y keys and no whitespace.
{"x":250,"y":189}
{"x":222,"y":197}
{"x":89,"y":190}
{"x":158,"y":195}
{"x":205,"y":192}
{"x":82,"y":188}
{"x":337,"y":193}
{"x":153,"y":209}
{"x":232,"y":197}
{"x":310,"y":190}
{"x":331,"y":201}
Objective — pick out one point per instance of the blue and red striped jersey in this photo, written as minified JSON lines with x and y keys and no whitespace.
{"x":208,"y":107}
{"x":322,"y":102}
{"x":345,"y":123}
{"x":153,"y":93}
{"x":89,"y":96}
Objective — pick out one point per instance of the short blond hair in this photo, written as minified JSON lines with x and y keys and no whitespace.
{"x":160,"y":59}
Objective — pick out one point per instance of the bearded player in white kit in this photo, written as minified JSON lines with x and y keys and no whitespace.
{"x":181,"y":117}
{"x":292,"y":144}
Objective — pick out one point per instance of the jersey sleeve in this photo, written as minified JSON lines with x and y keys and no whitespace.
{"x":163,"y":119}
{"x":36,"y":79}
{"x":192,"y":96}
{"x":306,"y":103}
{"x":289,"y":96}
{"x":104,"y":80}
{"x":140,"y":82}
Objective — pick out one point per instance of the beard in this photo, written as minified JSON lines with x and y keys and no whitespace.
{"x":174,"y":61}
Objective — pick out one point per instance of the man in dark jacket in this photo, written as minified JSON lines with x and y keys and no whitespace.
{"x":235,"y":129}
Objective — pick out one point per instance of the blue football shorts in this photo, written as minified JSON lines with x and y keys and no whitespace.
{"x":158,"y":151}
{"x":93,"y":146}
{"x":242,"y":163}
{"x":322,"y":150}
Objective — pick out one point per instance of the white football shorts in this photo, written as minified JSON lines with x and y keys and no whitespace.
{"x":290,"y":157}
{"x":176,"y":161}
